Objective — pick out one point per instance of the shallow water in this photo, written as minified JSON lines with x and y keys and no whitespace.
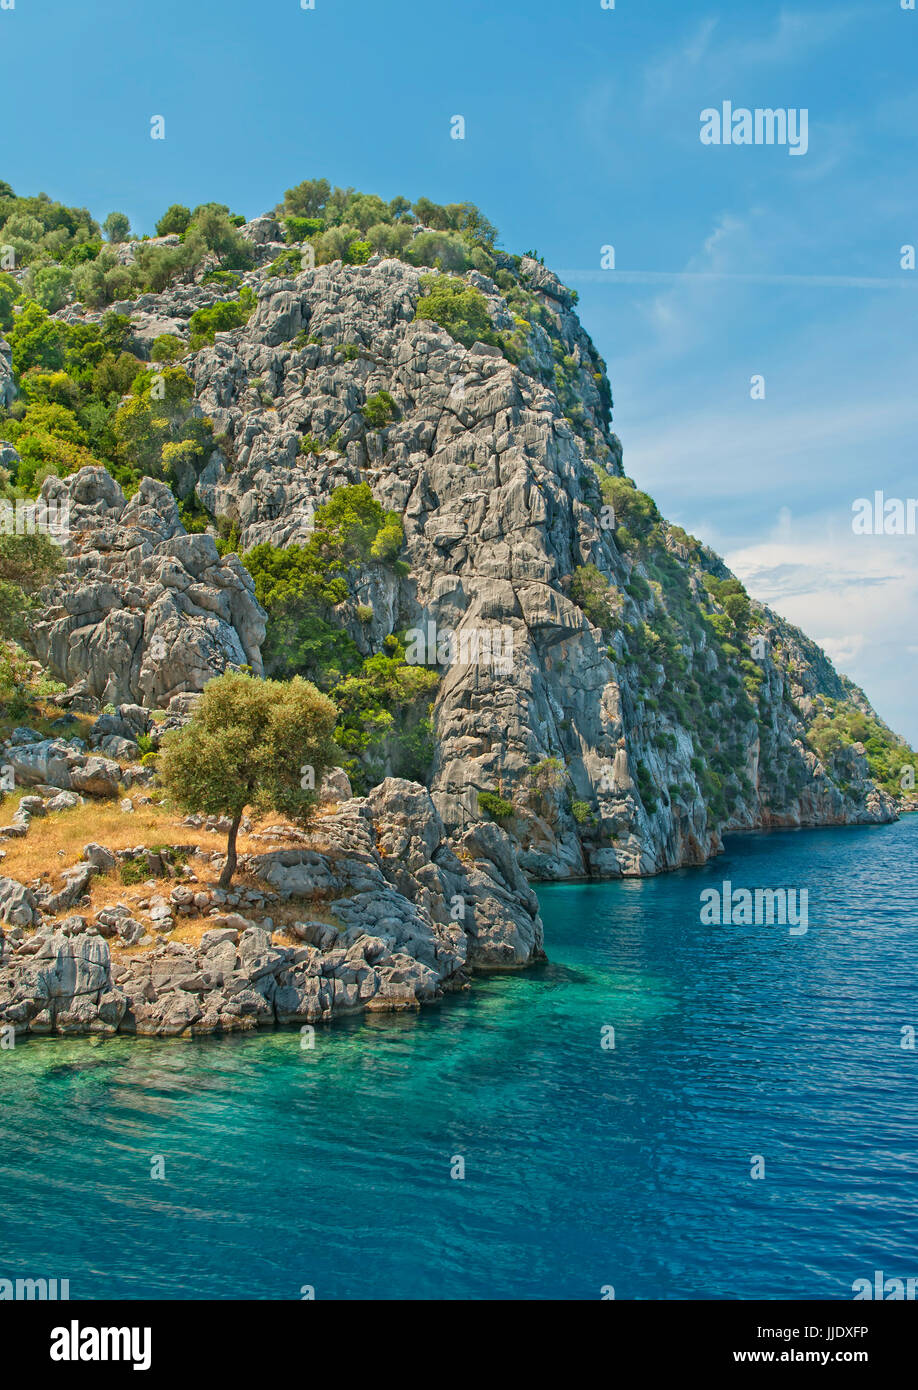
{"x":584,"y":1166}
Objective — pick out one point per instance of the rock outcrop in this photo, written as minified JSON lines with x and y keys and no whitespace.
{"x":144,"y":611}
{"x":407,"y":914}
{"x":593,"y":683}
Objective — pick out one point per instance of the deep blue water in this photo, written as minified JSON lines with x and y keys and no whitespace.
{"x":585,"y":1167}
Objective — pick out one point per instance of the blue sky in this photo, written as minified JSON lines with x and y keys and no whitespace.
{"x":582,"y":130}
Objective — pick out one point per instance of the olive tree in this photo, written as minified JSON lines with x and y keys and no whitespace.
{"x":261,"y":743}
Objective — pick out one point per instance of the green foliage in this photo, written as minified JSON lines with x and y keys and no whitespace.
{"x":582,"y":812}
{"x":841,"y":724}
{"x":247,"y":744}
{"x":495,"y":806}
{"x":288,"y":263}
{"x":459,"y":308}
{"x":20,"y":688}
{"x":379,"y":410}
{"x":192,"y":515}
{"x":301,"y":585}
{"x":27,"y":563}
{"x":298,"y":229}
{"x":174,"y":221}
{"x":635,"y":511}
{"x":50,"y":286}
{"x":228,"y":536}
{"x":9,"y":293}
{"x":83,"y":370}
{"x":41,"y":230}
{"x":133,"y":871}
{"x":384,"y":721}
{"x":157,"y":431}
{"x":37,"y":340}
{"x":116,"y":227}
{"x":221,"y":317}
{"x":646,"y":789}
{"x":590,"y":589}
{"x":167,"y":347}
{"x":383,"y":700}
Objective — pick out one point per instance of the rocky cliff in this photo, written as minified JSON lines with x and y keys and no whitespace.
{"x":607,"y":690}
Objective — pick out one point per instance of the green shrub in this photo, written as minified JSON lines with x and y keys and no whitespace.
{"x":379,"y":410}
{"x":300,"y":586}
{"x":167,"y":347}
{"x":221,"y":317}
{"x":459,"y":308}
{"x":590,"y":590}
{"x":495,"y":805}
{"x":288,"y":264}
{"x":301,"y":228}
{"x":133,"y":871}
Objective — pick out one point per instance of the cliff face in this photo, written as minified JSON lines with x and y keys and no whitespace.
{"x":620,"y":698}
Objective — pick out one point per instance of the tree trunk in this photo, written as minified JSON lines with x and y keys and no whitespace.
{"x":229,"y":868}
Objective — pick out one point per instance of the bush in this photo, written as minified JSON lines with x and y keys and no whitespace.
{"x":636,"y":513}
{"x":221,"y":317}
{"x":459,"y":308}
{"x":379,"y":410}
{"x":167,"y":347}
{"x":52,"y":287}
{"x":133,"y":871}
{"x":590,"y":590}
{"x":288,"y":263}
{"x":160,"y":412}
{"x":495,"y":805}
{"x":9,"y":293}
{"x":298,"y":229}
{"x":300,"y":586}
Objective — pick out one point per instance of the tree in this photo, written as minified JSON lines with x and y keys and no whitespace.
{"x":116,"y":227}
{"x":399,"y":208}
{"x":51,"y":287}
{"x":26,"y":564}
{"x":9,"y":293}
{"x":260,"y":743}
{"x":174,"y":220}
{"x":308,"y":199}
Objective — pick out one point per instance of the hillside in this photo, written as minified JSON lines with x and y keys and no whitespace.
{"x":395,"y":473}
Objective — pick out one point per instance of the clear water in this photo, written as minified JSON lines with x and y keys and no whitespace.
{"x":584,"y":1167}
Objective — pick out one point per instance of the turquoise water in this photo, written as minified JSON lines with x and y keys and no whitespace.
{"x":584,"y":1167}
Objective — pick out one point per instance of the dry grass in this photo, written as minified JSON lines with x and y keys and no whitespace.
{"x":55,"y":842}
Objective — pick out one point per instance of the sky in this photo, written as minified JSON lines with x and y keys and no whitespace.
{"x":582,"y":131}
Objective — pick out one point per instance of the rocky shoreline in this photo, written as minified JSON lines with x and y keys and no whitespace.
{"x":413,"y":914}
